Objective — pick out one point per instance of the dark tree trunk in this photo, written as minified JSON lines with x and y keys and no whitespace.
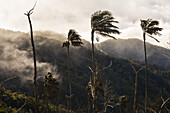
{"x":135,"y":95}
{"x":146,"y":74}
{"x":94,"y":73}
{"x":88,"y":102}
{"x":92,"y":40}
{"x":94,"y":104}
{"x":69,"y":77}
{"x":35,"y":67}
{"x":120,"y":109}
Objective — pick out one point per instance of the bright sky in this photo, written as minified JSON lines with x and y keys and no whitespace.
{"x":62,"y":15}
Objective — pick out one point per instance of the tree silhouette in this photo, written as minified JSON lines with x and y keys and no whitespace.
{"x":75,"y":40}
{"x":136,"y":83}
{"x":50,"y":85}
{"x":123,"y":102}
{"x":28,"y":14}
{"x":108,"y":97}
{"x":97,"y":88}
{"x":101,"y":23}
{"x":149,"y":27}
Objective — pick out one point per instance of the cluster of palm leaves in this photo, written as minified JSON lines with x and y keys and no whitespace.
{"x":102,"y":23}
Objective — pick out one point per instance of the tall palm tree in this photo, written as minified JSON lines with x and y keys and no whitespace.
{"x":28,"y":14}
{"x":101,"y":23}
{"x":75,"y":40}
{"x":149,"y":27}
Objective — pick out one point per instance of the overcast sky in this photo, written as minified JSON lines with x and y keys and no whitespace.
{"x":62,"y":15}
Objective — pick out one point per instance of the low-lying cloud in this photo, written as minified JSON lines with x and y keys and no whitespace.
{"x":16,"y":59}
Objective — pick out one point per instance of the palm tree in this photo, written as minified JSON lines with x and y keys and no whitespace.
{"x":101,"y":23}
{"x":28,"y":14}
{"x":149,"y":27}
{"x":75,"y":40}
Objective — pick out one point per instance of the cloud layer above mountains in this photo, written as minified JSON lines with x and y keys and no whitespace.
{"x":16,"y":57}
{"x":61,"y":15}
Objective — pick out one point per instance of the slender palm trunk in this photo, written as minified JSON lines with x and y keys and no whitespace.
{"x":35,"y":67}
{"x":93,"y":74}
{"x":69,"y":78}
{"x":135,"y":96}
{"x":146,"y":74}
{"x":92,"y":40}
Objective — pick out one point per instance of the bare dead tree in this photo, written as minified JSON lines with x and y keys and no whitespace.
{"x":163,"y":104}
{"x":147,"y":108}
{"x":136,"y":84}
{"x":108,"y":97}
{"x":160,"y":108}
{"x":7,"y":79}
{"x":1,"y":83}
{"x":28,"y":14}
{"x":96,"y":86}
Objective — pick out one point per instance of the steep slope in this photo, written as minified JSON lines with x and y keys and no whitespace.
{"x":133,"y":49}
{"x":16,"y":60}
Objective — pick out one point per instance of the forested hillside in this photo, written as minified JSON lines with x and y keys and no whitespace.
{"x":133,"y":49}
{"x":16,"y":60}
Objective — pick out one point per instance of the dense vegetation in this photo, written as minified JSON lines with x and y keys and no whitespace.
{"x":15,"y":102}
{"x":88,"y":81}
{"x":50,"y":51}
{"x":133,"y":49}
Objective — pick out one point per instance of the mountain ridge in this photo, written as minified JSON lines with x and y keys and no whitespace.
{"x":16,"y":60}
{"x":133,"y":49}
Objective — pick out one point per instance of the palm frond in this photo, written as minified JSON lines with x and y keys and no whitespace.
{"x":77,"y":43}
{"x":66,"y":44}
{"x":102,"y":21}
{"x":107,"y":30}
{"x":74,"y":37}
{"x":153,"y":23}
{"x":143,"y":24}
{"x":108,"y":20}
{"x":153,"y":38}
{"x":108,"y":25}
{"x":154,"y":30}
{"x":106,"y":35}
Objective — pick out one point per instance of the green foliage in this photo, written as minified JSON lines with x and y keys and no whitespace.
{"x":120,"y":75}
{"x":11,"y":102}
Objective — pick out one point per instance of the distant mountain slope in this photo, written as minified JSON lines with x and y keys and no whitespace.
{"x":16,"y":60}
{"x":133,"y":49}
